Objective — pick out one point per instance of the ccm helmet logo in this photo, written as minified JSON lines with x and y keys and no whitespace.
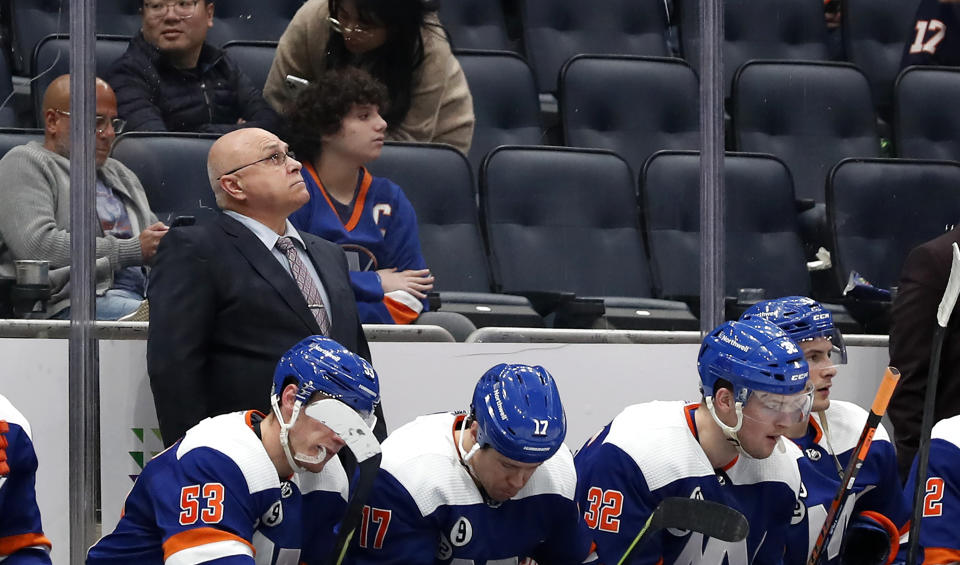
{"x":799,"y":377}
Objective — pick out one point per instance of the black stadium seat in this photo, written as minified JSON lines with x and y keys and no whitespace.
{"x":12,"y":137}
{"x":475,"y":24}
{"x":875,"y":33}
{"x":262,"y":20}
{"x":52,"y":59}
{"x":811,"y":115}
{"x":633,"y":106}
{"x":437,"y":180}
{"x":253,"y":57}
{"x":879,"y":209}
{"x":560,"y":220}
{"x":555,"y":30}
{"x":781,"y":29}
{"x":763,"y":247}
{"x":173,"y":170}
{"x":505,"y":101}
{"x":926,"y":122}
{"x":32,"y":20}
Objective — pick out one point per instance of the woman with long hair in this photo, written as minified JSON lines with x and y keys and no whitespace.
{"x":401,"y":43}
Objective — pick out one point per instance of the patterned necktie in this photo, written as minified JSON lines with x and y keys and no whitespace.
{"x":305,"y":282}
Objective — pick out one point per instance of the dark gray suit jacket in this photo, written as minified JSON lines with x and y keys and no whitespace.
{"x":222,"y":312}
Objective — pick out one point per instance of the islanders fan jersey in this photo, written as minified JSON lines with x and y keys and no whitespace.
{"x":650,"y":452}
{"x":381,"y":233}
{"x":940,"y":526}
{"x":935,"y":38}
{"x":426,"y":509}
{"x":215,"y":494}
{"x":21,"y":535}
{"x":875,"y":492}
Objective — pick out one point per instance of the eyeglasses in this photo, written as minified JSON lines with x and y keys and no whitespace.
{"x":101,"y":122}
{"x":181,"y":8}
{"x":278,"y":159}
{"x":338,"y":27}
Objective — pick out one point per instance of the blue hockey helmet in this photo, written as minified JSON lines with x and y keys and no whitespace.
{"x":752,"y":355}
{"x":320,"y":364}
{"x":801,"y":318}
{"x":518,"y":412}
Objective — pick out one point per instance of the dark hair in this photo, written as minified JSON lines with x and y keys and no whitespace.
{"x":394,"y":62}
{"x":320,"y":108}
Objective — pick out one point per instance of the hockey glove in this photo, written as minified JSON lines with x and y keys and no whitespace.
{"x":871,"y":539}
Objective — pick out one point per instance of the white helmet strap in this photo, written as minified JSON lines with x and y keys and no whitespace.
{"x":294,"y":461}
{"x":729,"y":432}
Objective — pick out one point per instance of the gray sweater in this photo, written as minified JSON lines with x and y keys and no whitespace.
{"x":35,"y":217}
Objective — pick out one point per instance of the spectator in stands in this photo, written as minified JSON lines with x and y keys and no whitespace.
{"x":338,"y":130}
{"x":936,"y":39}
{"x":21,"y":533}
{"x":170,"y":79}
{"x":401,"y":43}
{"x":913,"y":316}
{"x":35,"y":214}
{"x":229,"y":297}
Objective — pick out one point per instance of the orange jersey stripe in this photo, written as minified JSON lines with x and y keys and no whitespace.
{"x":197,"y":537}
{"x":940,"y":555}
{"x":400,"y":312}
{"x":357,"y":205}
{"x":10,"y":544}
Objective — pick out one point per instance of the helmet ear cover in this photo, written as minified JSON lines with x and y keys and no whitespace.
{"x":518,"y":412}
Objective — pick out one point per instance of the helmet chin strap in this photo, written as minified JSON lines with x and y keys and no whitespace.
{"x":729,"y":432}
{"x":294,"y":460}
{"x":465,"y":461}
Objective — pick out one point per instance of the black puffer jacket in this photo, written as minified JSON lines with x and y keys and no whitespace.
{"x":153,"y":95}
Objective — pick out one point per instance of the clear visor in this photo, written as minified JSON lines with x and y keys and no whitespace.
{"x":786,"y":409}
{"x":354,"y":428}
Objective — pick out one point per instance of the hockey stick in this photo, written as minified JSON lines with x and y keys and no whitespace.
{"x":947,"y":303}
{"x":709,"y":518}
{"x":857,"y":457}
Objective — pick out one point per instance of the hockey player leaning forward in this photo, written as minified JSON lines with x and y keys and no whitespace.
{"x":492,"y":487}
{"x":869,"y":529}
{"x":239,"y":485}
{"x":727,"y":448}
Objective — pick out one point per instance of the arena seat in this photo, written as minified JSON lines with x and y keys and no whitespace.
{"x":784,"y":29}
{"x":12,"y":137}
{"x":811,"y":115}
{"x":555,"y":30}
{"x":52,"y":59}
{"x":760,"y":220}
{"x":879,"y":209}
{"x":33,"y":20}
{"x":926,"y":123}
{"x":173,"y":170}
{"x":875,"y":33}
{"x":563,"y":230}
{"x":476,"y":24}
{"x":253,"y":57}
{"x":261,"y":20}
{"x":633,"y":106}
{"x":8,"y":115}
{"x":438,"y":182}
{"x":505,"y":102}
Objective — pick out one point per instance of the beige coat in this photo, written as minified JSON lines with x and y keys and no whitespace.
{"x":441,"y":109}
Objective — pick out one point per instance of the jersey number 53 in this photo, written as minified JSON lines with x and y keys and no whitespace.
{"x":203,"y":502}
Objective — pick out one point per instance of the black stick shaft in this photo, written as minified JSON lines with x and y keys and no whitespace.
{"x":926,"y":428}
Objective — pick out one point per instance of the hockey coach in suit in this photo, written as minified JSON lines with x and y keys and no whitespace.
{"x":229,"y":297}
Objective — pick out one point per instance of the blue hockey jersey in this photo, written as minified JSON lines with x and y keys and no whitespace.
{"x":936,"y":35}
{"x":940,"y":528}
{"x":875,"y":491}
{"x":21,"y":533}
{"x":649,"y":452}
{"x":381,"y":233}
{"x":215,"y":494}
{"x":426,"y":509}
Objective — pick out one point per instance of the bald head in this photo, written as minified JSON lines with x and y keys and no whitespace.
{"x":263,"y":183}
{"x":56,"y":115}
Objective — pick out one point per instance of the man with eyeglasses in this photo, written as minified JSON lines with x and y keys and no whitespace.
{"x":228,"y":297}
{"x":35,"y":209}
{"x":170,"y":79}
